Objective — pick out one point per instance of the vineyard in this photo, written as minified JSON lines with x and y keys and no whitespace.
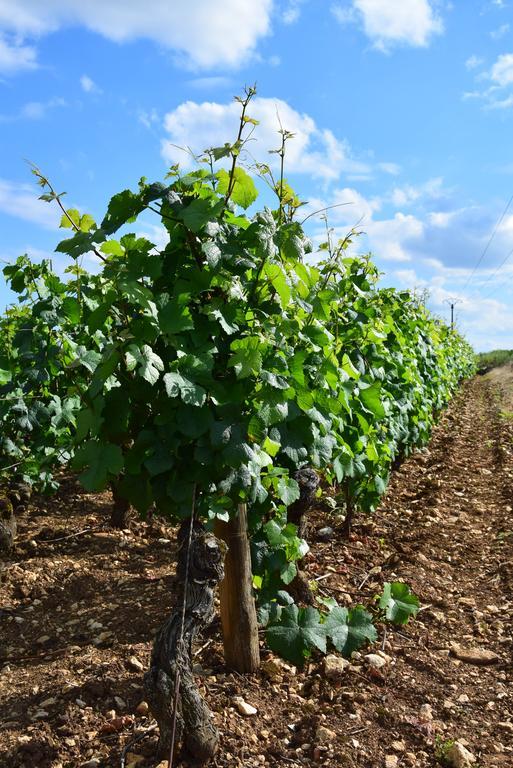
{"x":241,"y":453}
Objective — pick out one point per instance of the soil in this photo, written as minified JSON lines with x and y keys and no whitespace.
{"x":80,"y":604}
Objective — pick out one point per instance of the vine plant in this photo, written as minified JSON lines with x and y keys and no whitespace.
{"x":222,"y":362}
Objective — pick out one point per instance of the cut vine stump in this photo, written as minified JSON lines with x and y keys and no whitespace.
{"x":238,"y":612}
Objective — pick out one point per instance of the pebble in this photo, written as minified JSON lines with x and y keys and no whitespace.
{"x":335,"y":666}
{"x":142,"y":708}
{"x":120,"y":703}
{"x":324,"y":735}
{"x":325,"y":534}
{"x":391,"y":761}
{"x":398,"y":746}
{"x":459,"y":756}
{"x":426,"y":712}
{"x":243,"y":708}
{"x":135,"y":664}
{"x":479,"y":656}
{"x":375,"y":661}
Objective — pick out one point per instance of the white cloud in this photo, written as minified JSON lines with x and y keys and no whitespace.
{"x":292,"y":11}
{"x":391,"y":168}
{"x":313,"y":150}
{"x":16,"y":57}
{"x":204,"y":33}
{"x":496,"y":34}
{"x":148,"y":118}
{"x":34,"y":110}
{"x":408,"y":194}
{"x":387,"y":23}
{"x":390,"y":239}
{"x":88,"y":85}
{"x":499,"y":95}
{"x":502,"y":71}
{"x":473,"y":62}
{"x":21,"y":201}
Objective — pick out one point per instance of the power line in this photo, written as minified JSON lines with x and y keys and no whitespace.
{"x":480,"y":259}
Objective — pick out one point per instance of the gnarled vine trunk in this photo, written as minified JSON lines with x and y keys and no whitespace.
{"x":120,"y":509}
{"x":7,"y":524}
{"x":308,"y":481}
{"x":195,"y":732}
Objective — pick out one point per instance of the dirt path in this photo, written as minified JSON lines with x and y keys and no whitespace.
{"x":77,"y":617}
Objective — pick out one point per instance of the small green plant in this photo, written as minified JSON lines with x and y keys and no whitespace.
{"x":442,"y":748}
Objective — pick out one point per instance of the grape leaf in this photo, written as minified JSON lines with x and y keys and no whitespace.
{"x":398,"y":602}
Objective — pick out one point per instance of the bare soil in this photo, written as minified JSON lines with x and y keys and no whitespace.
{"x":80,"y":604}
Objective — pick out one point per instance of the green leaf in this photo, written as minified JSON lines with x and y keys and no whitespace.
{"x":175,"y":318}
{"x":199,"y":212}
{"x":178,"y":385}
{"x":398,"y":602}
{"x":149,"y":365}
{"x":72,"y":214}
{"x":349,"y":630}
{"x":86,"y":223}
{"x":244,"y":191}
{"x":246,"y":357}
{"x":288,"y":490}
{"x":123,"y":207}
{"x":296,"y":633}
{"x":371,"y":399}
{"x":112,"y":248}
{"x":102,"y":461}
{"x":5,"y":377}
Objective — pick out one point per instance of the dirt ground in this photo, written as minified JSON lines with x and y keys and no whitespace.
{"x":80,"y":604}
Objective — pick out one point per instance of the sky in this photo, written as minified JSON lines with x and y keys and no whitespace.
{"x":402,"y":111}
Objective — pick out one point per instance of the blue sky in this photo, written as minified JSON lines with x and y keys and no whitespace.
{"x":403,"y":109}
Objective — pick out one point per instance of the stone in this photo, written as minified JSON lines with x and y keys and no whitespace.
{"x":275,"y":669}
{"x":324,"y":735}
{"x":142,"y":708}
{"x":135,"y":664}
{"x":391,"y":761}
{"x":325,"y":534}
{"x":479,"y":656}
{"x":398,"y":746}
{"x":459,"y":756}
{"x":426,"y":712}
{"x":335,"y":666}
{"x":375,"y":661}
{"x":243,"y":708}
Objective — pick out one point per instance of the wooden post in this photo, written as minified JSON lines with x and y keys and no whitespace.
{"x":238,"y":612}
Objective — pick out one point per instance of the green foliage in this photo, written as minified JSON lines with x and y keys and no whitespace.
{"x":487,"y":360}
{"x":398,"y":603}
{"x":222,"y":361}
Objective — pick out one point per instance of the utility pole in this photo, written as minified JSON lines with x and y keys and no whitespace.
{"x":452,"y":303}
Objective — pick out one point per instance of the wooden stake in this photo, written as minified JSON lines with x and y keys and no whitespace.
{"x":238,"y":612}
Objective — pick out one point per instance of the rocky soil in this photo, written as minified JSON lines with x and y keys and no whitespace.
{"x":80,"y":604}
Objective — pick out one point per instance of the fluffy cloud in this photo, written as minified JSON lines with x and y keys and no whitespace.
{"x":16,"y":57}
{"x":388,"y":24}
{"x":502,"y":71}
{"x":499,"y":95}
{"x":88,"y":85}
{"x":21,"y":201}
{"x":206,"y":34}
{"x":313,"y":150}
